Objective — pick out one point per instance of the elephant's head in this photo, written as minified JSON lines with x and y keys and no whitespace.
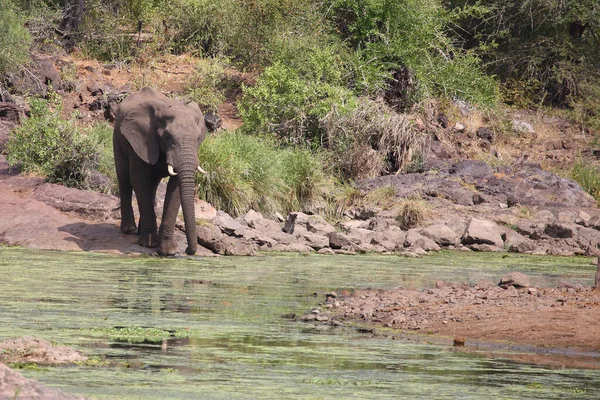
{"x":171,"y":129}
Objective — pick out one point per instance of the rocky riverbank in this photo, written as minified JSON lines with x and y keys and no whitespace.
{"x":472,"y":207}
{"x":506,"y":203}
{"x":511,"y":311}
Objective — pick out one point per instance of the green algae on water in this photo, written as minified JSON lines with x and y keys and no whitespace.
{"x":182,"y":328}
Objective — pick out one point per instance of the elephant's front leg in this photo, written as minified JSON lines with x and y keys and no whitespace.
{"x":125,"y":192}
{"x":167,"y":246}
{"x":146,"y":194}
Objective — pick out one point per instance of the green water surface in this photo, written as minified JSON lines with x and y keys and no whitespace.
{"x":226,"y":338}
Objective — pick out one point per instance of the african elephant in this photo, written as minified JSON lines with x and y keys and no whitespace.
{"x":155,"y":137}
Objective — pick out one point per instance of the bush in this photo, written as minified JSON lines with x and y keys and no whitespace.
{"x":412,"y":213}
{"x":244,"y":172}
{"x":304,"y":178}
{"x":288,"y":105}
{"x":48,"y":145}
{"x":101,"y":137}
{"x":200,"y":26}
{"x":371,"y":140}
{"x":14,"y":39}
{"x":206,"y":85}
{"x":407,"y":38}
{"x":545,"y":52}
{"x":103,"y":35}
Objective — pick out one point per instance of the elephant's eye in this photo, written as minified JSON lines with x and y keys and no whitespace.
{"x":168,"y":138}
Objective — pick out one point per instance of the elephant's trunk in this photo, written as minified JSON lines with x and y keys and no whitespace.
{"x":187,"y":186}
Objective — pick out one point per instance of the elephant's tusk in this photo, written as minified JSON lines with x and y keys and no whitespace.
{"x":170,"y":169}
{"x":201,"y":170}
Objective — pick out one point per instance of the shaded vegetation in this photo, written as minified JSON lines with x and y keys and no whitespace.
{"x":14,"y":38}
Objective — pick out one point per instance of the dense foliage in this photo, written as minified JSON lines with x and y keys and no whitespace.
{"x":544,"y":51}
{"x":14,"y":38}
{"x":337,"y":78}
{"x":47,"y":144}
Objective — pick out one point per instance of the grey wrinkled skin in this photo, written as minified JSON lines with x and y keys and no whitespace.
{"x":151,"y":131}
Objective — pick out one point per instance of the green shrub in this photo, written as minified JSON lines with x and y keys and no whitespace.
{"x":200,"y":26}
{"x":14,"y":39}
{"x":544,"y":51}
{"x":303,"y":176}
{"x":410,"y":34}
{"x":101,"y":137}
{"x":289,"y":106}
{"x":206,"y":84}
{"x":103,"y":35}
{"x":48,"y":145}
{"x":245,"y":172}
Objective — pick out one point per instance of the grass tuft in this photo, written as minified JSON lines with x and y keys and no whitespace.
{"x":247,"y":172}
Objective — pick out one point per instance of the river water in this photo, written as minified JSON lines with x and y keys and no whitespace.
{"x":212,"y":328}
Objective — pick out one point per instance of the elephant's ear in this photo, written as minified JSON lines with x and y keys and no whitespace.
{"x":139,"y":128}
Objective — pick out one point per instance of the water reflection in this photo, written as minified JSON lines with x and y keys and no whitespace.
{"x":237,"y":345}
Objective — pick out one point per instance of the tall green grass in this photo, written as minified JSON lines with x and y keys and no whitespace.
{"x":245,"y":172}
{"x":587,"y":176}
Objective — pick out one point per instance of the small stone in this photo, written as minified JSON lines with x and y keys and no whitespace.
{"x":459,"y":127}
{"x":485,"y":134}
{"x":331,"y":295}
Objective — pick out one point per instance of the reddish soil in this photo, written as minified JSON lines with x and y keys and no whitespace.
{"x":37,"y":351}
{"x":562,"y":320}
{"x":13,"y":385}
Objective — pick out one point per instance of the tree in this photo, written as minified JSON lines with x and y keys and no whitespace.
{"x":72,"y":16}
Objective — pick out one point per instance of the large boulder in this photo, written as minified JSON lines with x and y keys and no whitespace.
{"x":204,"y":210}
{"x":480,"y":231}
{"x":440,"y":234}
{"x":211,"y":237}
{"x":227,"y":224}
{"x":255,"y":220}
{"x":518,"y":243}
{"x":85,"y":203}
{"x":338,"y":240}
{"x":36,"y":79}
{"x":390,"y":239}
{"x":10,"y":112}
{"x":415,"y":240}
{"x":558,"y":230}
{"x":312,"y":223}
{"x":316,"y":241}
